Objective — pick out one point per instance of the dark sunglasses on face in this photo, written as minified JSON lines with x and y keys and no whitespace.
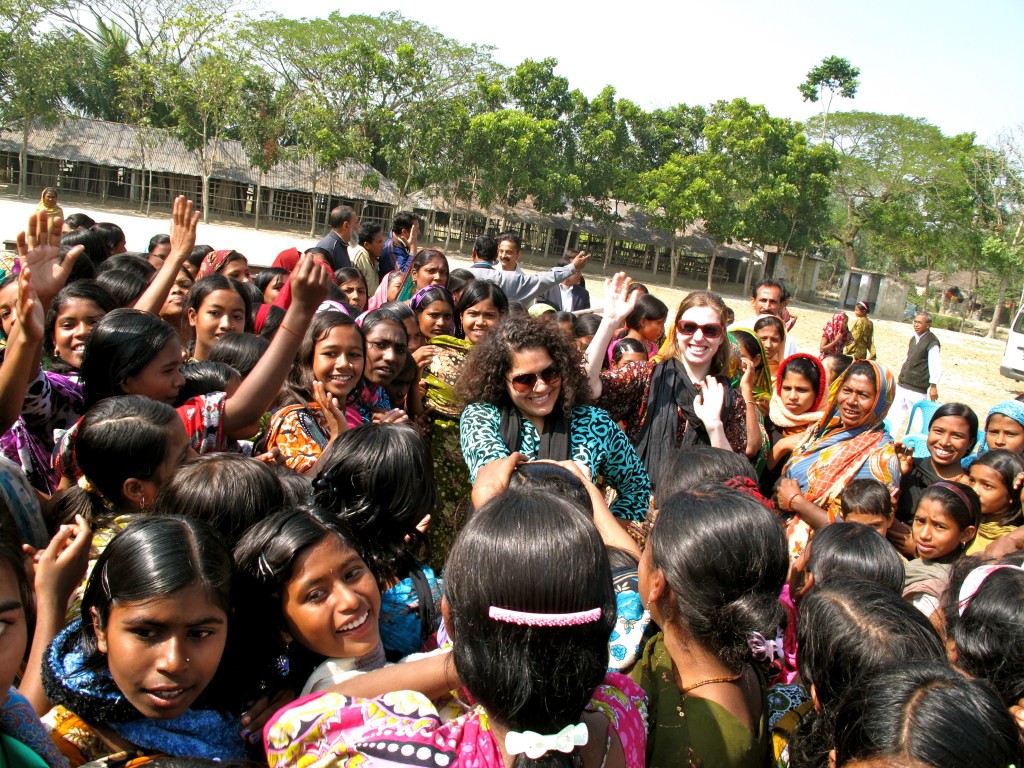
{"x":688,"y":328}
{"x":525,"y":382}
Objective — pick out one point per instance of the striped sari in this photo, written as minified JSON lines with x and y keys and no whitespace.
{"x":832,"y":454}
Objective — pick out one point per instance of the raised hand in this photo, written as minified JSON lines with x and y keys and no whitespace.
{"x":708,"y":402}
{"x":618,"y":301}
{"x":184,"y":220}
{"x":29,"y":310}
{"x":336,"y":421}
{"x":310,"y":282}
{"x":39,"y":248}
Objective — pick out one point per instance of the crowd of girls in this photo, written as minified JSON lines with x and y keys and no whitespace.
{"x":277,"y":521}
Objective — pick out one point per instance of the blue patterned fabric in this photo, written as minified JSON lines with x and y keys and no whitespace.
{"x":595,"y":441}
{"x":400,"y":630}
{"x":19,"y":722}
{"x":94,"y":697}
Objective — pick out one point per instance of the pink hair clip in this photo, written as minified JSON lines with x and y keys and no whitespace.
{"x":509,"y":616}
{"x":974,"y":581}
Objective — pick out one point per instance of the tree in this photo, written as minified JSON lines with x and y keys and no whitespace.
{"x":203,"y":97}
{"x":96,"y":91}
{"x":162,"y":32}
{"x":996,"y":176}
{"x":259,"y":119}
{"x":33,"y":80}
{"x":511,"y":153}
{"x":835,"y":74}
{"x":884,"y":161}
{"x":391,"y":82}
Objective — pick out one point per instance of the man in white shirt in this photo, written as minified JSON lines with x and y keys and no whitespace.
{"x":766,"y":299}
{"x":570,"y":295}
{"x":517,"y":285}
{"x":920,"y":374}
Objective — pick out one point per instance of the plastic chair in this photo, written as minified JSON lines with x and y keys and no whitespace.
{"x":919,"y":445}
{"x":925,"y":409}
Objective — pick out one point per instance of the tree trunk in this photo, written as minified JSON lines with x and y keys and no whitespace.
{"x":748,"y":277}
{"x":26,"y":130}
{"x":547,"y":242}
{"x":609,"y":247}
{"x":711,"y":265}
{"x":1003,"y":283}
{"x":568,"y":235}
{"x":312,"y":206}
{"x":259,"y":194}
{"x":206,"y":196}
{"x":148,"y":191}
{"x":673,"y":265}
{"x":799,"y":283}
{"x":448,"y":229}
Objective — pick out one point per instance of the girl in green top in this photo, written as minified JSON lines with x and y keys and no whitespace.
{"x":711,"y":575}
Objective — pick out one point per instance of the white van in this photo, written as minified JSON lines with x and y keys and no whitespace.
{"x":1013,"y":357}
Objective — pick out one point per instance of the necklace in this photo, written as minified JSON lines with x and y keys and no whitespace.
{"x":726,"y":679}
{"x":708,"y":681}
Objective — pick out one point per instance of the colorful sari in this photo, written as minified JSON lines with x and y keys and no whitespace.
{"x":832,"y":455}
{"x":762,"y":388}
{"x":450,"y":469}
{"x":837,"y":328}
{"x":405,"y":728}
{"x":862,"y":347}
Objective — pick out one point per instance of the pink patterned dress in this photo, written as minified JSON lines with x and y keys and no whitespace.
{"x":404,"y":729}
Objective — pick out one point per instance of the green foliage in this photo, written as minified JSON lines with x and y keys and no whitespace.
{"x":834,"y":73}
{"x":947,"y":322}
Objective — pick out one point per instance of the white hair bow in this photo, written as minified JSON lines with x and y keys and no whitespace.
{"x":535,"y":744}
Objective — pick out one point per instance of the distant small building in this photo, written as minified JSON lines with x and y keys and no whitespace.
{"x":885,"y":296}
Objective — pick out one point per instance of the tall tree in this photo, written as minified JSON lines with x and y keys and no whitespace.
{"x":203,"y":97}
{"x":33,"y":80}
{"x":883,"y":162}
{"x":835,"y":75}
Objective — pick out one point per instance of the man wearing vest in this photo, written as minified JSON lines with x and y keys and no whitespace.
{"x":920,"y":374}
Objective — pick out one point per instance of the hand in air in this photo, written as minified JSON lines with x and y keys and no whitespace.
{"x":618,"y":301}
{"x":39,"y":249}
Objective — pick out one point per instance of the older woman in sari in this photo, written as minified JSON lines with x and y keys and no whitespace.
{"x":849,"y":443}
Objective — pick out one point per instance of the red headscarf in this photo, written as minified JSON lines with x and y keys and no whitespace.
{"x":287,"y":259}
{"x":213,"y":262}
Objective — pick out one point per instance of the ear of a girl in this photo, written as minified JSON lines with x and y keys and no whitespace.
{"x":134,"y":491}
{"x":101,"y":633}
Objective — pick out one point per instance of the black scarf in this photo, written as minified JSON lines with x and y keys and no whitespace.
{"x":554,"y":440}
{"x":671,"y":389}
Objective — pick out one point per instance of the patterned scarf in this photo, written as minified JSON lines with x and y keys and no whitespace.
{"x":20,"y":722}
{"x":832,"y":454}
{"x":780,"y":415}
{"x":836,"y":327}
{"x":213,"y":262}
{"x":94,"y":697}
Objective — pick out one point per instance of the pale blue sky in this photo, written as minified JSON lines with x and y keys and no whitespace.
{"x":957,"y":64}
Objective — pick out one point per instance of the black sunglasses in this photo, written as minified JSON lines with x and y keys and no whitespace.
{"x":525,"y":382}
{"x":710,"y":330}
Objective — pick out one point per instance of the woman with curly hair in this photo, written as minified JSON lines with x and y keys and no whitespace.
{"x":527,"y":392}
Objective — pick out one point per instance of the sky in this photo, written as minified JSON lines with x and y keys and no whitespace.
{"x":958,"y":65}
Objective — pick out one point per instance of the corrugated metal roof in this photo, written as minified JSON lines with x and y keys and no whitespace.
{"x":116,"y":145}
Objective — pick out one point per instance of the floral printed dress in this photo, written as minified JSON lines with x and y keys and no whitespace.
{"x":405,"y":729}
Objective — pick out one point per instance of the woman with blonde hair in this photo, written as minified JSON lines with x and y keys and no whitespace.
{"x":692,"y":375}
